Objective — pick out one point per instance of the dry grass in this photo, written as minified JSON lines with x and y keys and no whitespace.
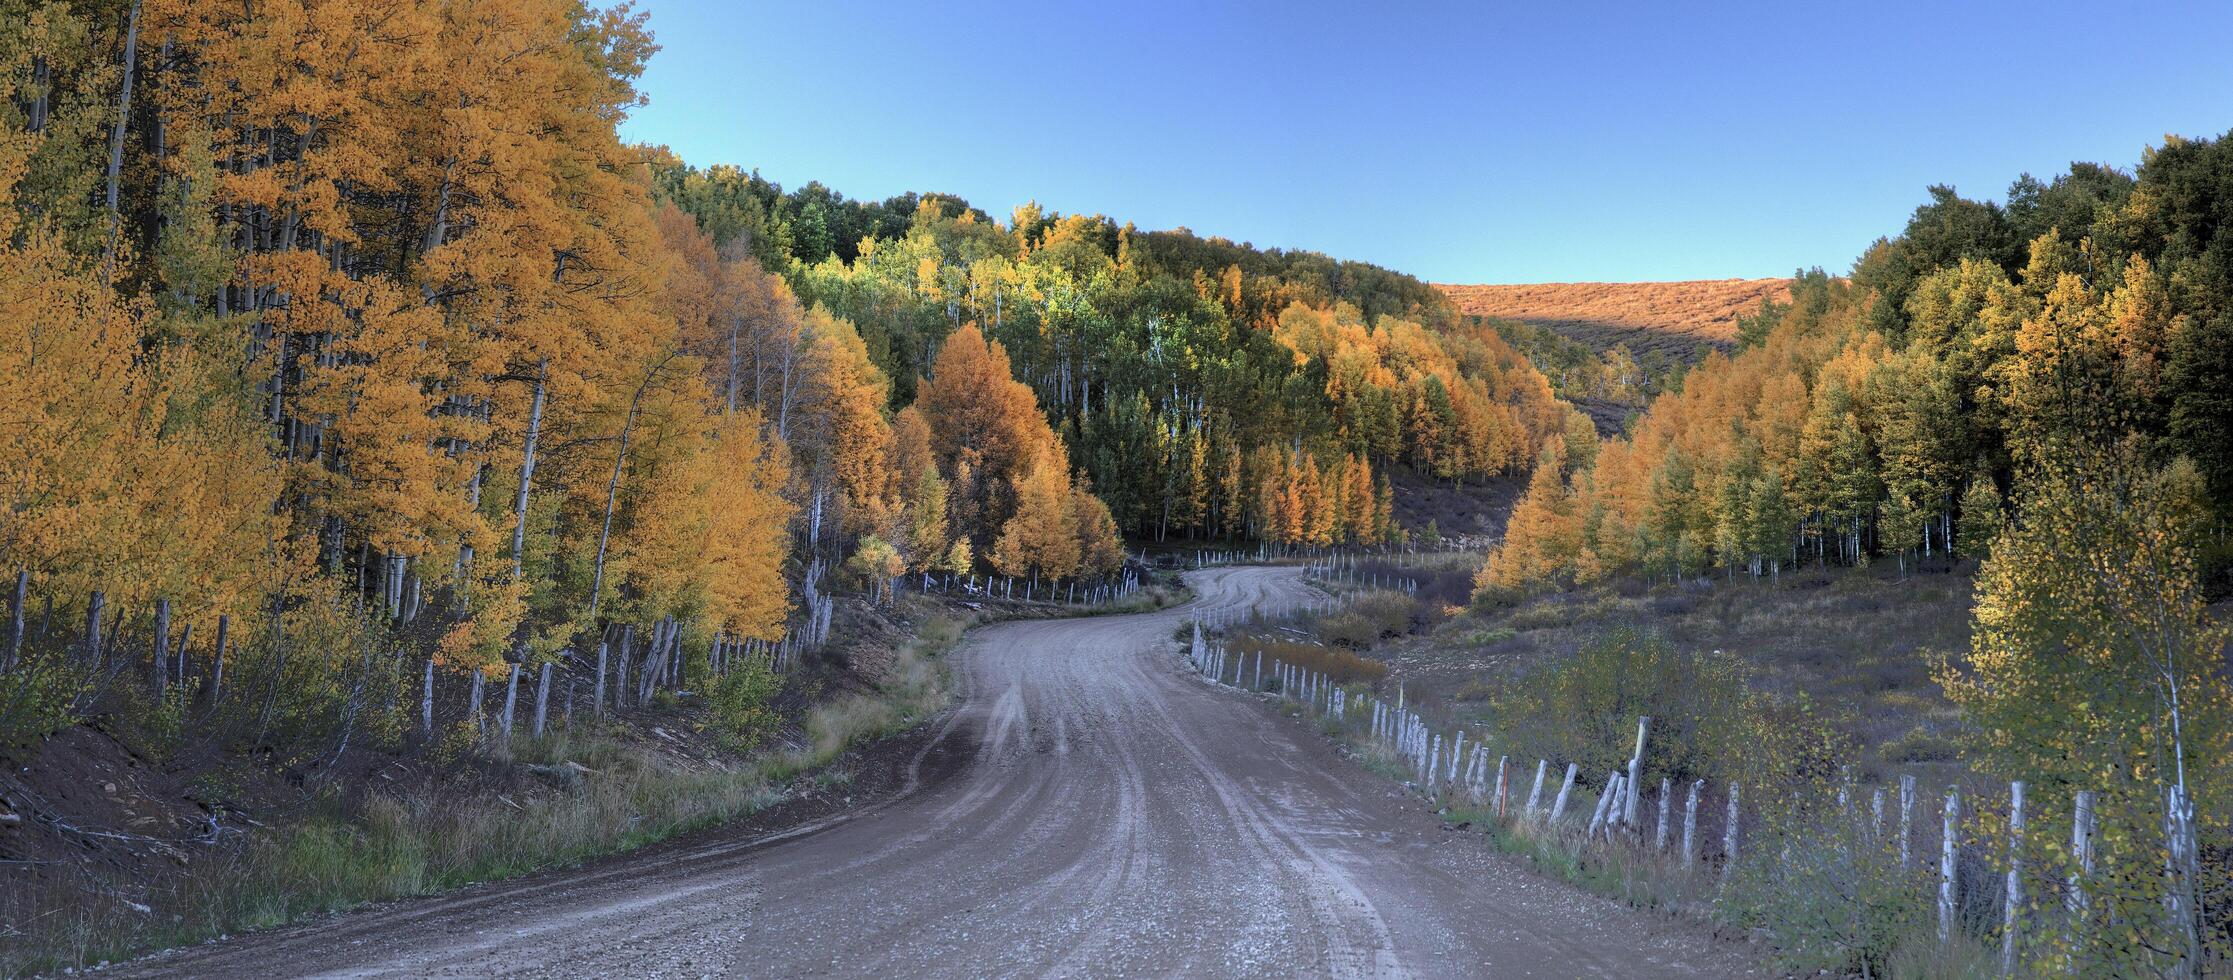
{"x":1681,"y":319}
{"x":1859,"y":642}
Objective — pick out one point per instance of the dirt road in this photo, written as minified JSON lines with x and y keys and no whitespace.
{"x":1086,"y":810}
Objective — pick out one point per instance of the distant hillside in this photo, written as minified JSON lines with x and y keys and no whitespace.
{"x":1680,"y":319}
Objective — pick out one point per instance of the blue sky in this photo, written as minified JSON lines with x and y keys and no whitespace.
{"x":1467,"y":142}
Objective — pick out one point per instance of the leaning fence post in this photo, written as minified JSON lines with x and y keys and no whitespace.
{"x":1535,"y":795}
{"x":2081,"y":850}
{"x":1690,"y":823}
{"x":1608,"y":807}
{"x":1558,"y":807}
{"x":2014,"y":910}
{"x":217,"y":675}
{"x":1946,"y":865}
{"x":1635,"y":782}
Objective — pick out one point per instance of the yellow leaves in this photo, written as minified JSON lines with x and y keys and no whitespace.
{"x":1041,"y":540}
{"x":980,"y":415}
{"x":114,"y":474}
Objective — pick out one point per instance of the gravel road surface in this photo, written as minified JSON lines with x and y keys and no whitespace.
{"x":1086,"y":810}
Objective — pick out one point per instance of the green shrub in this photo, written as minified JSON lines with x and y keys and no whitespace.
{"x":743,"y":704}
{"x":1584,"y":709}
{"x":35,"y":700}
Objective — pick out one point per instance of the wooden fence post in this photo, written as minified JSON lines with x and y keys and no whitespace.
{"x":217,"y":668}
{"x":1503,"y":763}
{"x":473,"y":702}
{"x":1608,"y":807}
{"x":1729,"y":830}
{"x":1635,"y":782}
{"x":1535,"y":794}
{"x":1558,"y":807}
{"x":1946,"y":845}
{"x":2012,"y":914}
{"x":1666,"y":795}
{"x":1907,"y":817}
{"x":1690,"y":824}
{"x":161,"y":650}
{"x":15,"y":619}
{"x":93,"y":629}
{"x":185,"y":639}
{"x":542,"y":700}
{"x":597,"y":695}
{"x":511,"y":699}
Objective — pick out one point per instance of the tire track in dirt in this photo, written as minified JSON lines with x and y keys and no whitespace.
{"x":1085,"y":810}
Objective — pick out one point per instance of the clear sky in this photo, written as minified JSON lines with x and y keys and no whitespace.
{"x":1468,"y":142}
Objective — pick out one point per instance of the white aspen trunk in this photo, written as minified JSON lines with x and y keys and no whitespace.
{"x":1558,"y":807}
{"x":527,"y":473}
{"x":1946,"y":843}
{"x":426,"y":701}
{"x":2081,"y":851}
{"x":2012,"y":912}
{"x":612,"y":489}
{"x":116,"y":135}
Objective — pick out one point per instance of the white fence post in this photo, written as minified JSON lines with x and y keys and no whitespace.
{"x":1907,"y":817}
{"x":1690,"y":824}
{"x":1558,"y":808}
{"x":1729,"y":832}
{"x":1535,"y":795}
{"x":1666,"y":793}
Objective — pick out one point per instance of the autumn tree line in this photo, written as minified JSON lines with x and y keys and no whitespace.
{"x":1206,"y":389}
{"x":316,"y":313}
{"x":321,"y":301}
{"x":1898,"y":412}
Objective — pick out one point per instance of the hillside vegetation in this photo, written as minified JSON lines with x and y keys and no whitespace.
{"x":2031,"y":394}
{"x":1676,"y":319}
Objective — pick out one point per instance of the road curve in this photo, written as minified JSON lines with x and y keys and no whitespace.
{"x":1102,"y":814}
